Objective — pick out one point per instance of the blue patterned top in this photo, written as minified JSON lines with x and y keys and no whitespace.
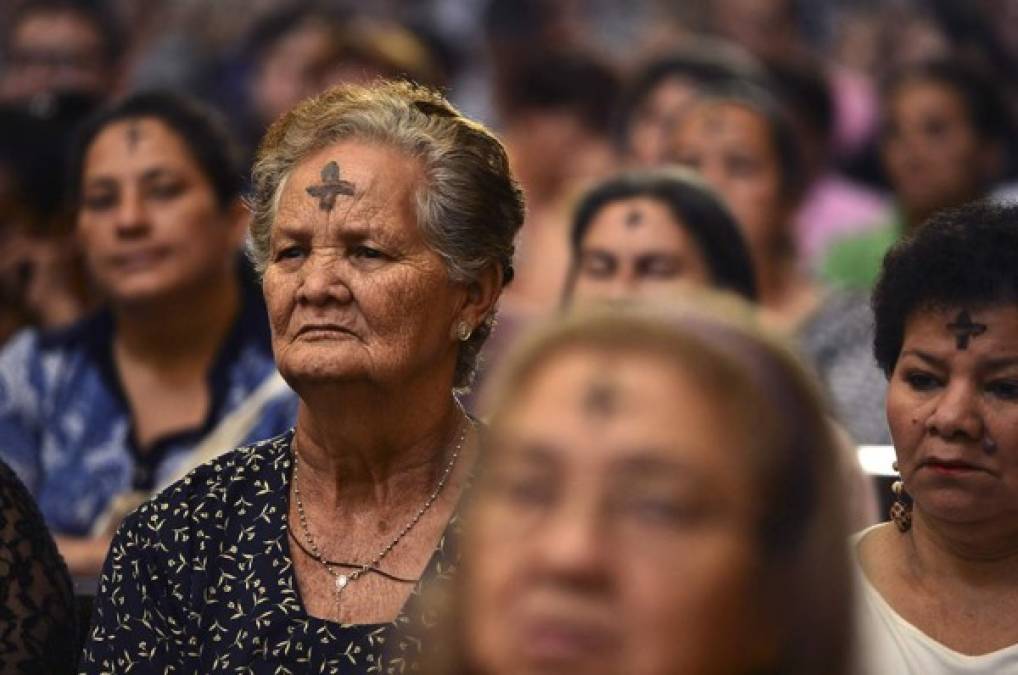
{"x":65,"y":423}
{"x":201,"y":580}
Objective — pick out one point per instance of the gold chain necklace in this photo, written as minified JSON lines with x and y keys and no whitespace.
{"x":341,"y":581}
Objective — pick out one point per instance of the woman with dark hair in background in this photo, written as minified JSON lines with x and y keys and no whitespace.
{"x":662,"y":88}
{"x":943,"y":143}
{"x":646,"y":233}
{"x":939,"y":588}
{"x":744,"y":146}
{"x":127,"y":399}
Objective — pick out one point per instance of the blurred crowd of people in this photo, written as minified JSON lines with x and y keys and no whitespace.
{"x":760,"y":158}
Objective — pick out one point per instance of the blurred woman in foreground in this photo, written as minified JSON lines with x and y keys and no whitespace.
{"x":660,"y":497}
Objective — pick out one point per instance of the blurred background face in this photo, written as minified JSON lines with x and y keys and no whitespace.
{"x":635,"y":248}
{"x":288,"y":71}
{"x":933,"y":155}
{"x":149,"y":221}
{"x":732,"y":148}
{"x":55,"y":51}
{"x":655,"y":116}
{"x":614,"y":530}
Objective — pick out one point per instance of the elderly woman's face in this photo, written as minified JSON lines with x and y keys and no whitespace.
{"x":635,"y":248}
{"x":952,"y":406}
{"x":613,"y":531}
{"x":353,"y":290}
{"x":149,"y":221}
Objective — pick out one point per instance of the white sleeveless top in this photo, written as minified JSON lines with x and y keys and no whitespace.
{"x":887,"y":644}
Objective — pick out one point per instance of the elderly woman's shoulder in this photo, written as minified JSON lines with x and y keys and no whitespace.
{"x":219,"y":489}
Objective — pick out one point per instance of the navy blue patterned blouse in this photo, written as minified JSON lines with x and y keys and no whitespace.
{"x":200,"y":580}
{"x":65,"y":422}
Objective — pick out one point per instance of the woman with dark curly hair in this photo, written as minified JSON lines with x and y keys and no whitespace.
{"x":939,"y":588}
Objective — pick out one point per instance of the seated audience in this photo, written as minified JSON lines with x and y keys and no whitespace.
{"x":383,"y":226}
{"x":938,"y":589}
{"x":743,"y":144}
{"x":659,"y":496}
{"x":126,"y":399}
{"x":39,"y":620}
{"x":944,"y":135}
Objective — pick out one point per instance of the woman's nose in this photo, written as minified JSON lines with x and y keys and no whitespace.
{"x":323,"y":281}
{"x":957,"y":413}
{"x":131,"y":217}
{"x":572,"y":547}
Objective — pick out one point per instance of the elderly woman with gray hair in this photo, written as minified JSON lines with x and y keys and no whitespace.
{"x":383,"y":228}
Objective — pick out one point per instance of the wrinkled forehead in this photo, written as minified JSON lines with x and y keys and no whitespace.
{"x":349,"y":178}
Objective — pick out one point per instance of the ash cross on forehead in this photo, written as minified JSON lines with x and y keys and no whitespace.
{"x":330,"y":187}
{"x":601,"y":398}
{"x":634,"y":218}
{"x":964,"y":329}
{"x":133,"y":135}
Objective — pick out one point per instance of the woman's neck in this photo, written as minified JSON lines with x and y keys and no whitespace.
{"x":786,"y":295}
{"x":981,"y":555}
{"x":371,"y":445}
{"x":186,"y":328}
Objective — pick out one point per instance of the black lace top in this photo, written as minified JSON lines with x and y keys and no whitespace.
{"x":38,"y":632}
{"x":200,"y":580}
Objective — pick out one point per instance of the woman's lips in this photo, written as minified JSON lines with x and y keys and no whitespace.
{"x":948,"y":467}
{"x":323,"y":332}
{"x":138,"y":261}
{"x":564,"y":640}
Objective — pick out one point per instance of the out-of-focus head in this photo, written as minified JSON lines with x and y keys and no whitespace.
{"x":664,"y":87}
{"x":739,"y":139}
{"x":946,"y":308}
{"x":647,"y":233}
{"x":362,"y":51}
{"x":657,"y":488}
{"x":59,"y":47}
{"x":385,"y":213}
{"x":288,"y":49}
{"x":770,"y":29}
{"x":556,"y":106}
{"x":944,"y":132}
{"x":156,"y":183}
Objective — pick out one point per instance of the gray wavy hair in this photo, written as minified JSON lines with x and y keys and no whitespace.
{"x":469,"y":207}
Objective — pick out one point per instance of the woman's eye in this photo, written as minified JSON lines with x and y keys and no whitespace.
{"x":170,"y":190}
{"x":99,"y":202}
{"x":920,"y":381}
{"x":289,"y":253}
{"x":659,"y":511}
{"x":1004,"y":389}
{"x":368,"y":253}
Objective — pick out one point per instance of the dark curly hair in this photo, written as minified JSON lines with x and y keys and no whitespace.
{"x":962,"y":256}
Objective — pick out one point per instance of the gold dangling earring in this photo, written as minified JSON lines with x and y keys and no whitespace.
{"x":901,"y":512}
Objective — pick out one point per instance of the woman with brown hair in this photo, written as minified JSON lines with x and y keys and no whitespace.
{"x":660,"y":496}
